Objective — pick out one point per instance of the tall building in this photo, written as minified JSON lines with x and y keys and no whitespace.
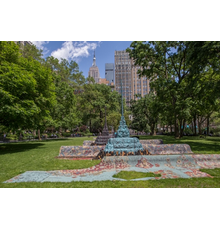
{"x":94,"y":71}
{"x":24,"y":42}
{"x":109,"y":72}
{"x":103,"y":81}
{"x":126,"y":71}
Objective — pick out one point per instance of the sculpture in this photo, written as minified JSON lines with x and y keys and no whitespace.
{"x":123,"y":143}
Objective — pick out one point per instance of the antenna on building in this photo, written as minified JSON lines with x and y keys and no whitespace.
{"x":94,"y":60}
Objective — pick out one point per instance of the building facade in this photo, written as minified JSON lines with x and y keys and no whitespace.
{"x":109,"y":72}
{"x":103,"y":81}
{"x":94,"y":71}
{"x":24,"y":43}
{"x":126,"y":71}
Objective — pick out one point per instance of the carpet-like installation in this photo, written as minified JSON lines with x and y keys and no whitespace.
{"x":168,"y":166}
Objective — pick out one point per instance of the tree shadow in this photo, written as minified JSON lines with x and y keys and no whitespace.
{"x":49,"y":140}
{"x":18,"y":147}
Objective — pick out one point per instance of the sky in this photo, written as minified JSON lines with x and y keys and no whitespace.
{"x":83,"y":51}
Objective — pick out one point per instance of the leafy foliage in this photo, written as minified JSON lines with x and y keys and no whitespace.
{"x":26,"y":89}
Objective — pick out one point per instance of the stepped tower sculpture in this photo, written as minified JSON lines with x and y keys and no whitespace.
{"x":104,"y":137}
{"x":123,"y":143}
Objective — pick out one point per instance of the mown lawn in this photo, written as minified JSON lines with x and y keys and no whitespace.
{"x":16,"y":158}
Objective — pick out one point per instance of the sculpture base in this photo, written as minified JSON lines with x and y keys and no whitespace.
{"x":123,"y":144}
{"x":102,"y":154}
{"x":101,"y":140}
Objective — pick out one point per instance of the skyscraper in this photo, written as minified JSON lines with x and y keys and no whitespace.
{"x":24,"y":43}
{"x":94,"y":70}
{"x":109,"y":72}
{"x":126,"y":71}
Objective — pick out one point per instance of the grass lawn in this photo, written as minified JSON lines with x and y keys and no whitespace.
{"x":129,"y":175}
{"x":16,"y":158}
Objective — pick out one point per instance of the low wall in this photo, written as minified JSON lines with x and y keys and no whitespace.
{"x":168,"y":149}
{"x":79,"y":151}
{"x":152,"y":142}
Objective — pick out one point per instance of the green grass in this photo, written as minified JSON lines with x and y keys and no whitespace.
{"x":129,"y":175}
{"x":213,"y":172}
{"x":16,"y":158}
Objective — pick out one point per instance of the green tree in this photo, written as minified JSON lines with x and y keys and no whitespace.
{"x":145,"y":113}
{"x":65,"y":113}
{"x":27,"y":89}
{"x":165,"y":64}
{"x":31,"y":51}
{"x":92,"y":102}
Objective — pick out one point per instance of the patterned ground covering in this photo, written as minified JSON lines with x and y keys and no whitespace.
{"x":169,"y":166}
{"x":79,"y":151}
{"x":152,"y":142}
{"x":163,"y":149}
{"x":88,"y":143}
{"x":152,"y":147}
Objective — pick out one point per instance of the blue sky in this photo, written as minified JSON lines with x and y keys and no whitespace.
{"x":82,"y":52}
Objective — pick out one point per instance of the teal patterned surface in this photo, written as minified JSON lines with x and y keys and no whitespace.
{"x":123,"y":145}
{"x":169,"y":166}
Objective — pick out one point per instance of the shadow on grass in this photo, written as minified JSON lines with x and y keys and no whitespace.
{"x":18,"y":147}
{"x":49,"y":140}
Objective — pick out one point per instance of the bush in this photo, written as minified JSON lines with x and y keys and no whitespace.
{"x":89,"y":134}
{"x":83,"y":128}
{"x":11,"y":137}
{"x":215,"y":131}
{"x":66,"y":134}
{"x":81,"y":133}
{"x":188,"y":131}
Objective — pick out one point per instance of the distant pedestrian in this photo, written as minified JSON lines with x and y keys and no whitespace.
{"x":205,"y":133}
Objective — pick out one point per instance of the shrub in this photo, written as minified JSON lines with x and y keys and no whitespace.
{"x":66,"y":134}
{"x":11,"y":137}
{"x":188,"y":131}
{"x":215,"y":131}
{"x":83,"y":128}
{"x":81,"y":133}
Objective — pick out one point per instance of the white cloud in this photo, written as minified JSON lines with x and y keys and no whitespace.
{"x":74,"y":51}
{"x":40,"y":45}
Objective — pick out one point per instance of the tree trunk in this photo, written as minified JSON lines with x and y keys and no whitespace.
{"x":39,"y":135}
{"x":194,"y":119}
{"x":182,"y":125}
{"x":100,"y":117}
{"x":34,"y":132}
{"x":175,"y":126}
{"x":177,"y":130}
{"x":90,"y":125}
{"x":152,"y":130}
{"x":192,"y":127}
{"x":200,"y":127}
{"x":208,"y":125}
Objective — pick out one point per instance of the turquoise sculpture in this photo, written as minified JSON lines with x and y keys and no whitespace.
{"x":123,"y":143}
